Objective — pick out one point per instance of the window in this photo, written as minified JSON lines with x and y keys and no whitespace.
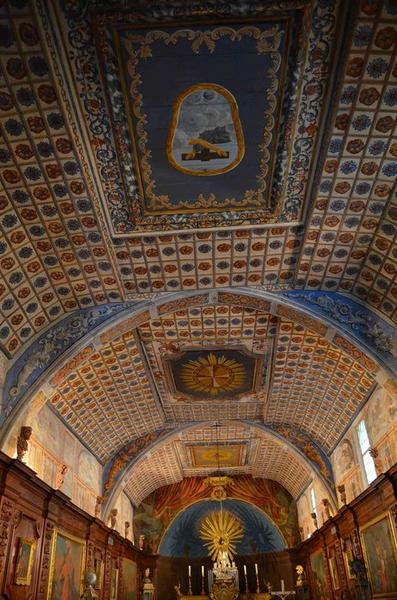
{"x":368,"y":461}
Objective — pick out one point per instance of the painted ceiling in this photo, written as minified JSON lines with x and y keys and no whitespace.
{"x":97,"y":218}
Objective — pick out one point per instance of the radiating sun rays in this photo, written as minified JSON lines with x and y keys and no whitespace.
{"x":213,"y":374}
{"x":221,"y":531}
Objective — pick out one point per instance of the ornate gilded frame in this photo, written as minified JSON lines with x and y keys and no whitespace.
{"x":114,"y":583}
{"x":26,"y":578}
{"x":383,"y":516}
{"x":266,"y":42}
{"x":68,"y":536}
{"x":236,"y":122}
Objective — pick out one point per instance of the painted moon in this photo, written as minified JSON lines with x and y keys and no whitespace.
{"x":205,"y":136}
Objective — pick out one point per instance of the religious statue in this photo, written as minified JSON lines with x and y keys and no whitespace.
{"x":113,"y":518}
{"x":314,"y":517}
{"x":378,"y":462}
{"x":301,"y":576}
{"x":60,"y":476}
{"x":342,"y":492}
{"x":141,"y":542}
{"x":327,"y":508}
{"x":99,"y":502}
{"x":127,"y":525}
{"x":22,"y":442}
{"x":148,"y":587}
{"x":90,"y":581}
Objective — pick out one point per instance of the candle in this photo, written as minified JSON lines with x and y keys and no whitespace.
{"x":282,"y":585}
{"x":202,"y":570}
{"x":256,"y":568}
{"x":245,"y":569}
{"x":190,"y":570}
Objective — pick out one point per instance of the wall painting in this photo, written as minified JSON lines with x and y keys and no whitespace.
{"x":379,"y":546}
{"x":129,"y":583}
{"x":67,"y":567}
{"x":320,"y":588}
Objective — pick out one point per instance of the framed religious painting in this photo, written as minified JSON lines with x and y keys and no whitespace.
{"x":319,"y":578}
{"x":25,"y":560}
{"x":99,"y":568}
{"x":67,"y":566}
{"x":114,"y":583}
{"x":348,"y":557}
{"x":334,"y":572}
{"x":128,"y":589}
{"x":379,"y":545}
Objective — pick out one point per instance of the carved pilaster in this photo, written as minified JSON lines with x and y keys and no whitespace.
{"x":357,"y":550}
{"x":46,"y":561}
{"x":90,"y":556}
{"x":108,"y":574}
{"x":6,"y":521}
{"x":341,"y":564}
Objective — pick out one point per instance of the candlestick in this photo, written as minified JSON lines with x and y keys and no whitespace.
{"x":202,"y":581}
{"x":245,"y":577}
{"x":245,"y":569}
{"x":190,"y":580}
{"x":257,"y":578}
{"x":282,"y":585}
{"x":256,"y":568}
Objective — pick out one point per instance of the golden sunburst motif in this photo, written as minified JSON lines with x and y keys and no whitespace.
{"x":213,"y":374}
{"x":221,"y":531}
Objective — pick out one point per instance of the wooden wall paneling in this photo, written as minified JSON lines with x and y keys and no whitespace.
{"x":24,"y":526}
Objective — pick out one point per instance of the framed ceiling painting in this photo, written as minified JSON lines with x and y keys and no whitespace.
{"x":67,"y":566}
{"x":379,"y":545}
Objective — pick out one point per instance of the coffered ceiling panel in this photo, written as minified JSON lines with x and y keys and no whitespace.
{"x":169,"y":463}
{"x":109,"y":400}
{"x":315,"y":386}
{"x":82,"y":223}
{"x":215,"y":328}
{"x":160,"y":468}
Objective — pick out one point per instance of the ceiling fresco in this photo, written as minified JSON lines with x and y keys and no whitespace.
{"x":123,"y":251}
{"x":234,"y":149}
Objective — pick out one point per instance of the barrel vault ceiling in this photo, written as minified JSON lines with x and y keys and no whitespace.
{"x":97,"y":208}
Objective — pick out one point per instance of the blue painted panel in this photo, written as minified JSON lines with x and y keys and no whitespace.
{"x":183,"y":539}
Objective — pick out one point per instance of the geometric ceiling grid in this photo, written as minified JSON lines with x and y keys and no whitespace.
{"x":283,"y":51}
{"x":315,"y":386}
{"x":200,"y":327}
{"x":53,"y":258}
{"x":351,"y":236}
{"x":274,"y":460}
{"x":171,"y":461}
{"x":203,"y":260}
{"x":109,"y":400}
{"x":160,"y":467}
{"x":64,"y":169}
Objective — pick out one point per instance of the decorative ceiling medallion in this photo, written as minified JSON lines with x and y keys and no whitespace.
{"x":205,"y":136}
{"x":188,"y":101}
{"x":214,"y":373}
{"x":213,"y":456}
